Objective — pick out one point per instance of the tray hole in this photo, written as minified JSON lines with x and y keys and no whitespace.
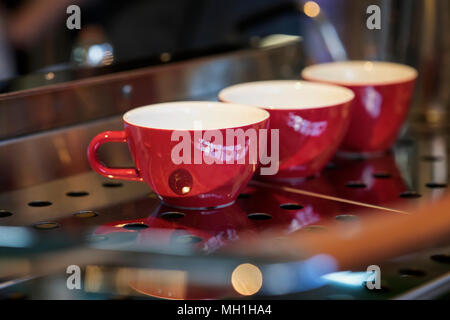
{"x":314,"y":228}
{"x":435,"y":185}
{"x":135,"y":226}
{"x":112,"y":184}
{"x":408,"y":272}
{"x":432,"y":158}
{"x":291,"y":206}
{"x":259,"y":216}
{"x":188,"y":239}
{"x":382,"y":175}
{"x":244,"y":196}
{"x":77,"y":194}
{"x":410,"y":195}
{"x":39,"y":203}
{"x":172,"y":215}
{"x":442,"y":258}
{"x":331,"y":166}
{"x":46,"y":225}
{"x":85,"y":214}
{"x":5,"y":213}
{"x":356,"y":184}
{"x":346,"y":217}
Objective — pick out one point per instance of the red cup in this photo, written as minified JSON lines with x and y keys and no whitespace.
{"x":154,"y":135}
{"x":312,"y":119}
{"x":383,"y":93}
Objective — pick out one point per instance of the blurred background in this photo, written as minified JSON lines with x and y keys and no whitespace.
{"x":34,"y":37}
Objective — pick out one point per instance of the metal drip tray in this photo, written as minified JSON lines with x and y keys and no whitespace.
{"x":116,"y":216}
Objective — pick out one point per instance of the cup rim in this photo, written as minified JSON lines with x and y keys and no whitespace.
{"x":264,"y":114}
{"x":413,"y":73}
{"x":349,"y":94}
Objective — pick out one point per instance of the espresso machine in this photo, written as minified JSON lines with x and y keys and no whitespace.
{"x":313,"y":238}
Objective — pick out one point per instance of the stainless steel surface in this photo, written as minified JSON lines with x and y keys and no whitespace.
{"x":53,"y":106}
{"x":62,"y":152}
{"x":433,"y":61}
{"x":329,"y":35}
{"x":133,"y":203}
{"x":54,"y":154}
{"x":429,"y":290}
{"x":63,"y":205}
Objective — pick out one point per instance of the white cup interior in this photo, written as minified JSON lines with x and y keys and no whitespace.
{"x":194,"y":115}
{"x":360,"y":72}
{"x":286,"y":94}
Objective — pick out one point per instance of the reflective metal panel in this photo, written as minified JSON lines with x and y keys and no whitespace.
{"x":52,"y":106}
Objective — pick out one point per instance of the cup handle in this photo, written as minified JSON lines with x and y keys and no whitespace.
{"x":113,"y":173}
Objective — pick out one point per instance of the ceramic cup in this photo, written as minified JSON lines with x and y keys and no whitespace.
{"x":383,"y":93}
{"x":312,"y":119}
{"x":176,"y":153}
